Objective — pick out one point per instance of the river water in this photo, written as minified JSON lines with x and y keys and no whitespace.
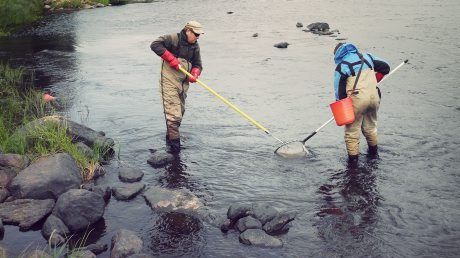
{"x":404,"y":204}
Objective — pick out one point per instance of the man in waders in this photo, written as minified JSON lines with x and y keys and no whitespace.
{"x":178,"y":49}
{"x":365,"y":97}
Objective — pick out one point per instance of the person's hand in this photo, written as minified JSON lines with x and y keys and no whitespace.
{"x":171,"y":59}
{"x":195,"y":73}
{"x":379,"y":76}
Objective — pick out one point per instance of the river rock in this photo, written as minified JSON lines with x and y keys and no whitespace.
{"x":4,"y":193}
{"x":2,"y":230}
{"x":25,"y":212}
{"x":130,"y":174}
{"x":14,"y":161}
{"x":6,"y":176}
{"x":264,"y":212}
{"x":85,"y":149}
{"x":127,"y":191}
{"x":318,"y":26}
{"x":79,"y":208}
{"x":103,"y":190}
{"x":299,"y":25}
{"x":97,"y":248}
{"x":125,"y":243}
{"x":258,"y":237}
{"x":56,"y":240}
{"x":160,"y":158}
{"x":46,"y":178}
{"x":165,"y":200}
{"x":237,"y":211}
{"x":281,"y":45}
{"x":278,"y":223}
{"x":78,"y":132}
{"x":55,"y":224}
{"x":248,"y":223}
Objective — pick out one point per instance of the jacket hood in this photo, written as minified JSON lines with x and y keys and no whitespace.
{"x":344,"y":50}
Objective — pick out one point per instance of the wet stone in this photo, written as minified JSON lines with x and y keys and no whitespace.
{"x":130,"y":174}
{"x":97,"y":248}
{"x":55,"y":224}
{"x":318,"y":26}
{"x":25,"y":212}
{"x":125,"y":243}
{"x":248,"y":223}
{"x":281,"y":45}
{"x":278,"y":223}
{"x":264,"y":212}
{"x":259,"y":238}
{"x":127,"y":191}
{"x":237,"y":211}
{"x":299,"y":25}
{"x":160,"y":158}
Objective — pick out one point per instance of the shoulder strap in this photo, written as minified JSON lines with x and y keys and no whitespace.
{"x":359,"y":72}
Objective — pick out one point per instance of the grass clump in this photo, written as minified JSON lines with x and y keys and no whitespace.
{"x":20,"y":104}
{"x":15,"y":13}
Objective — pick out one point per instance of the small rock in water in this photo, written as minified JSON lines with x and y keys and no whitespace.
{"x":258,"y":237}
{"x":225,"y":226}
{"x":229,"y":12}
{"x":281,"y":45}
{"x":160,"y":158}
{"x":264,"y":212}
{"x":248,"y":223}
{"x":237,"y":211}
{"x":299,"y":25}
{"x":255,"y":35}
{"x":278,"y":223}
{"x":318,"y":26}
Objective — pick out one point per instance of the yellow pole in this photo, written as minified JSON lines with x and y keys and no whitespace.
{"x":239,"y":111}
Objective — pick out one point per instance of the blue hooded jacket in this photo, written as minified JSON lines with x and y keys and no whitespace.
{"x":348,"y":63}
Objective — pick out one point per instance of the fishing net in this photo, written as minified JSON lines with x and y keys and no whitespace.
{"x":295,"y":149}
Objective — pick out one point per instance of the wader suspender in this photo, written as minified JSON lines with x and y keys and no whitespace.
{"x":359,"y":73}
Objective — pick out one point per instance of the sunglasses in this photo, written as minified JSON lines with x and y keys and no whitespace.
{"x":196,"y":35}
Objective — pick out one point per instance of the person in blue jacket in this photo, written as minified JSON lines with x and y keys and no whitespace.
{"x":365,"y":97}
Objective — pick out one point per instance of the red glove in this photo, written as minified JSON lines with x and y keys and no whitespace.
{"x":195,"y":72}
{"x":379,"y":76}
{"x":171,"y":59}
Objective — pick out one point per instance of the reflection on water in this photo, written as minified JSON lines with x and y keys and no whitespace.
{"x":350,"y":209}
{"x":175,"y":233}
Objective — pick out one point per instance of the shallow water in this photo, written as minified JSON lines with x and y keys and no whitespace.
{"x":404,"y":204}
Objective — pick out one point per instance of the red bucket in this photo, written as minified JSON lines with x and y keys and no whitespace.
{"x":343,"y":111}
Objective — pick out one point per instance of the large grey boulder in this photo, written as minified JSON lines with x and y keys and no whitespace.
{"x":46,"y":178}
{"x":165,"y":200}
{"x":25,"y":212}
{"x":258,"y":237}
{"x":127,"y":191}
{"x":130,"y":174}
{"x":79,"y":208}
{"x":125,"y":243}
{"x":55,"y":224}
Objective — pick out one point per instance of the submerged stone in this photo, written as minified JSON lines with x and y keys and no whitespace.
{"x":278,"y":223}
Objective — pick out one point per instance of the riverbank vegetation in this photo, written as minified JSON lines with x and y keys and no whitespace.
{"x":20,"y":104}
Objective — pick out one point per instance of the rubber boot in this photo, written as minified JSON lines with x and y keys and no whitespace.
{"x":353,"y":161}
{"x":372,"y":151}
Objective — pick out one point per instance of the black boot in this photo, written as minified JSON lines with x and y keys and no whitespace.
{"x":353,"y":161}
{"x":372,"y":151}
